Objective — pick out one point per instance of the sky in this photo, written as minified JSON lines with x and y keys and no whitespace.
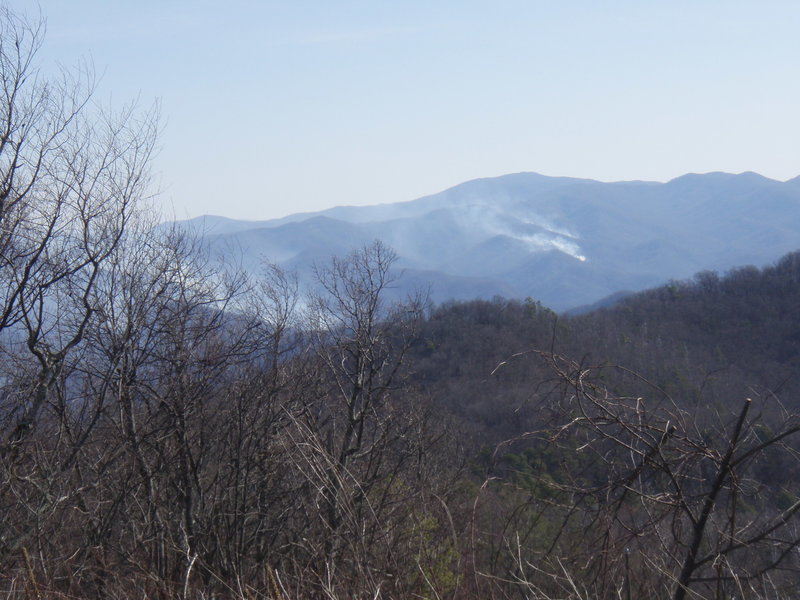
{"x":270,"y":108}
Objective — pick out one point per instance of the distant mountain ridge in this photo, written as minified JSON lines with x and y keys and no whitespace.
{"x":564,"y":241}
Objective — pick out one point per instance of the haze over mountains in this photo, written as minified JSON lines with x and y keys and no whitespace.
{"x":564,"y":241}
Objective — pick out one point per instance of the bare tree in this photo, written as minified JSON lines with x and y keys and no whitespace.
{"x":72,"y":176}
{"x":652,"y":497}
{"x":356,"y":436}
{"x":355,"y":342}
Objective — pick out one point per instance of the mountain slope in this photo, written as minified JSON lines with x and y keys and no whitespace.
{"x":564,"y":241}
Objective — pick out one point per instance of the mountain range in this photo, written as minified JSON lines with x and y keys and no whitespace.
{"x":563,"y":241}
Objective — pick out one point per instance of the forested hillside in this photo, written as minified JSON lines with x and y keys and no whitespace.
{"x":208,"y":435}
{"x":659,"y":432}
{"x":709,"y":339}
{"x":172,"y":427}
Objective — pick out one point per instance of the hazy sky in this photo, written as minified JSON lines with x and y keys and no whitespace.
{"x":272,"y":107}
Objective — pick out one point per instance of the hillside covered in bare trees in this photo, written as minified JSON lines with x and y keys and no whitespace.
{"x":172,"y":428}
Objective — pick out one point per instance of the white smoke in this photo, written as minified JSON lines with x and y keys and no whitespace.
{"x":537,"y":232}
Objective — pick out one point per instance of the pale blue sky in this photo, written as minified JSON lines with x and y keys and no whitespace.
{"x":277,"y":107}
